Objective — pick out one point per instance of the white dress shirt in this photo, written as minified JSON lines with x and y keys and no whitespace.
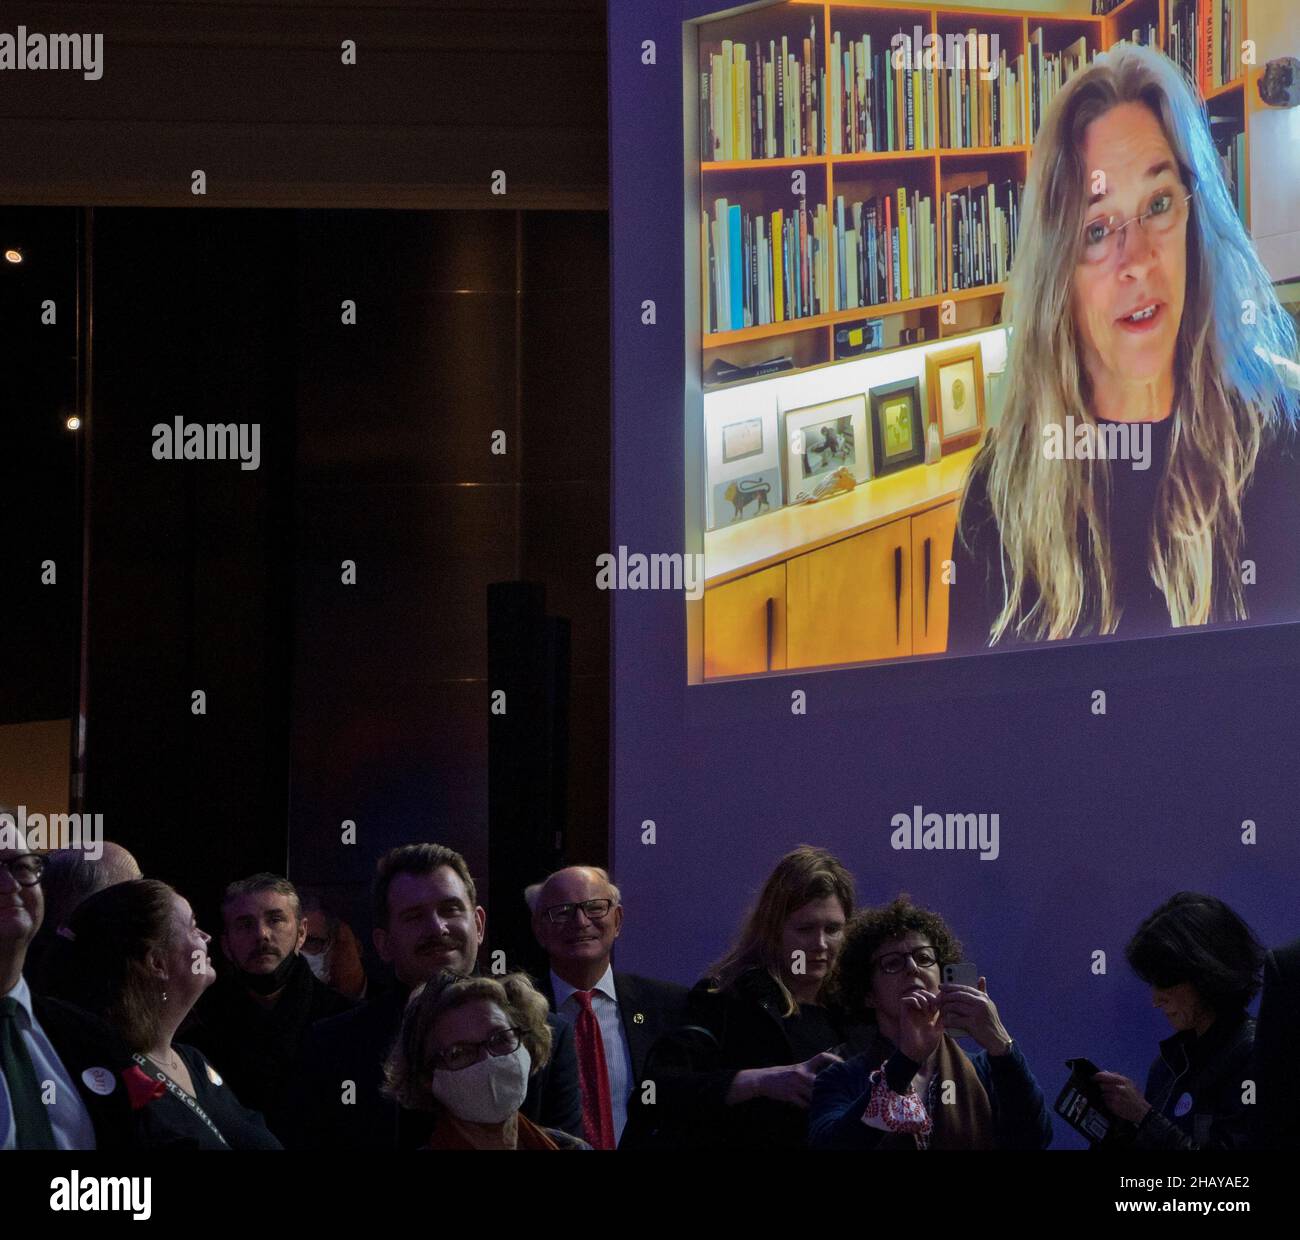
{"x":618,"y":1058}
{"x":69,"y":1119}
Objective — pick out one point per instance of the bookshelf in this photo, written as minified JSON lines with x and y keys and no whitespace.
{"x":801,"y":152}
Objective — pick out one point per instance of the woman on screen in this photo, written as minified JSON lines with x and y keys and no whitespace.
{"x":1145,"y":331}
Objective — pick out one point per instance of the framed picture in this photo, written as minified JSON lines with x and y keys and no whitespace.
{"x":954,"y":381}
{"x":816,"y":440}
{"x":744,"y":462}
{"x":897,"y":426}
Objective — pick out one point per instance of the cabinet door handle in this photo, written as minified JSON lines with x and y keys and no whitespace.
{"x":927,"y":585}
{"x":771,"y":624}
{"x":898,"y":595}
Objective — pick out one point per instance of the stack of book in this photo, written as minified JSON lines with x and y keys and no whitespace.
{"x":885,"y":249}
{"x":880,"y":101}
{"x":1230,"y":142}
{"x":1144,"y":36}
{"x":1205,"y":40}
{"x":763,"y":268}
{"x":980,"y":226}
{"x":974,"y":112}
{"x":764,"y":106}
{"x":1049,"y":71}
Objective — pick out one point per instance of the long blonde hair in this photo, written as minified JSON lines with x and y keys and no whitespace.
{"x":1057,"y":570}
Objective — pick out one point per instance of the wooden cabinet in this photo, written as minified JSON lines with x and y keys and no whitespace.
{"x":851,"y":601}
{"x":932,"y":535}
{"x":745,"y":624}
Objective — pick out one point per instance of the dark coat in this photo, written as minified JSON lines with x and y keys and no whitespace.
{"x":256,"y":1048}
{"x":82,"y":1040}
{"x":353,"y":1047}
{"x":1277,"y":1037}
{"x":694,"y":1066}
{"x":648,"y":1009}
{"x":1211,"y":1070}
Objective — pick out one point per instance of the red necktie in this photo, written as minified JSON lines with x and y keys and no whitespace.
{"x":597,"y":1115}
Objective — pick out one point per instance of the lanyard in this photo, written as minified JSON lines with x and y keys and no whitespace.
{"x":177,"y":1092}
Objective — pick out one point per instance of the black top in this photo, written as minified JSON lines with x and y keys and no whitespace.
{"x":1277,"y":1114}
{"x":168,"y":1122}
{"x":257,"y":1048}
{"x":1271,"y":519}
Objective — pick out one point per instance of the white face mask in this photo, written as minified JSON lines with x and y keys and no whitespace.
{"x":488,"y":1092}
{"x":319,"y":964}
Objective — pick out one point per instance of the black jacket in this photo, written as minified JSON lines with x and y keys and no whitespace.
{"x":352,"y":1048}
{"x":1277,"y":1039}
{"x":647,"y":1008}
{"x":255,"y":1048}
{"x":694,"y":1066}
{"x":82,"y":1040}
{"x":1205,"y":1079}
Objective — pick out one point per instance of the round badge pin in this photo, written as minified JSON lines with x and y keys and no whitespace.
{"x":1183,"y":1105}
{"x":99,"y":1081}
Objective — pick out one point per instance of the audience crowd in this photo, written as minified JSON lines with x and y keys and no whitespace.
{"x":823,"y":1025}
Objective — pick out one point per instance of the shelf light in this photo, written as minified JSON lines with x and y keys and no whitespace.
{"x":13,"y":256}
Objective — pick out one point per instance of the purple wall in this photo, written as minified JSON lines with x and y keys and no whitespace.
{"x":1101,"y":818}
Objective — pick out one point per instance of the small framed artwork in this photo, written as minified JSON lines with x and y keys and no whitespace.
{"x":954,"y":381}
{"x":744,"y":463}
{"x":816,"y":440}
{"x":897,"y":425}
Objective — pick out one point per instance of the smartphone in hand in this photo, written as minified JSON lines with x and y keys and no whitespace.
{"x":963,"y":973}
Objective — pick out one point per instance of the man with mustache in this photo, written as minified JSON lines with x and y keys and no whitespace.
{"x":252,"y":1021}
{"x":427,"y":918}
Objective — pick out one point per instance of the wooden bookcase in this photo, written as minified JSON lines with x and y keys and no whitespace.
{"x":763,"y":184}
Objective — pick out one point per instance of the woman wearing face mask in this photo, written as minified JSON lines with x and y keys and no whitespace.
{"x":467,"y":1048}
{"x":912,"y":1087}
{"x":760,"y":1029}
{"x":1203,"y":965}
{"x":1143,"y":322}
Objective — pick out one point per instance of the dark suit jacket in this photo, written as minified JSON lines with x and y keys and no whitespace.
{"x":83,"y":1041}
{"x":1277,"y":1040}
{"x":353,"y":1047}
{"x":647,"y":1008}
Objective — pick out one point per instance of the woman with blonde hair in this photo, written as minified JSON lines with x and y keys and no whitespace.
{"x":1143,"y":474}
{"x":466,"y":1051}
{"x":741,"y":1072}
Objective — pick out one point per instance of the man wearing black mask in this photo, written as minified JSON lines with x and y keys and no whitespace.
{"x":253,"y":1020}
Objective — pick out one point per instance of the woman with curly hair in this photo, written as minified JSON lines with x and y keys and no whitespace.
{"x":913,"y":1086}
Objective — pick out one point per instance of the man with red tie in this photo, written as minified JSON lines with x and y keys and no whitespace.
{"x":616,"y":1017}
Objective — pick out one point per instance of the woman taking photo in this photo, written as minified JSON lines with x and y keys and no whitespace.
{"x":1144,"y":326}
{"x":912,"y":1086}
{"x":140,"y":960}
{"x":467,"y":1049}
{"x":1203,"y":965}
{"x":759,"y":1031}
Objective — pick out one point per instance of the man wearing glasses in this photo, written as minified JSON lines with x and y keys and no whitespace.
{"x":59,"y":1082}
{"x":577,"y":915}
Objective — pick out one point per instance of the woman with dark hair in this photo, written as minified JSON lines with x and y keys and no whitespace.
{"x":1143,"y":327}
{"x":467,"y":1049}
{"x":1203,"y":965}
{"x":140,"y":960}
{"x":911,"y":1086}
{"x":759,"y":1028}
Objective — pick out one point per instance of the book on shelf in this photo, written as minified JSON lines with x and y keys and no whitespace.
{"x":761,"y":101}
{"x":764,"y":268}
{"x":1049,"y":71}
{"x":1230,"y":142}
{"x":885,"y":248}
{"x":1204,"y":40}
{"x":980,"y":226}
{"x":975,"y":112}
{"x":879,"y":102}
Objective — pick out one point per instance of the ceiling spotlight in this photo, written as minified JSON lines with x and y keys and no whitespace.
{"x":13,"y":256}
{"x":73,"y":423}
